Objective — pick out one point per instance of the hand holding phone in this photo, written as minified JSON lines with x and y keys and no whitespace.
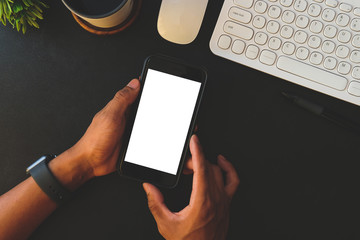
{"x":155,"y":146}
{"x":207,"y":215}
{"x":100,"y":145}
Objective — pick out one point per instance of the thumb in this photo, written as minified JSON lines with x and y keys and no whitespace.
{"x":126,"y":96}
{"x":156,"y":203}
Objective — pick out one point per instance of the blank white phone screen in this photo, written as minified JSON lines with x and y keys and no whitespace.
{"x":162,"y":121}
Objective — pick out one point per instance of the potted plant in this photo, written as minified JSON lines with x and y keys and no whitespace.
{"x":21,"y":13}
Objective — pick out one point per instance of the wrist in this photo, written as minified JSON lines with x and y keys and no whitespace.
{"x":71,"y":169}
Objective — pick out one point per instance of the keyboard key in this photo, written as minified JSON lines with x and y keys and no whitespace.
{"x":328,"y":15}
{"x":344,"y":36}
{"x":267,"y":57}
{"x":300,"y":37}
{"x":240,"y":15}
{"x":287,"y":32}
{"x":261,"y":6}
{"x":261,"y":38}
{"x":300,"y":5}
{"x":330,"y":31}
{"x":274,"y":11}
{"x":244,"y":3}
{"x":331,"y":3}
{"x":273,"y":27}
{"x":314,"y":41}
{"x":274,"y":43}
{"x":356,"y":41}
{"x":288,"y":48}
{"x":344,"y":68}
{"x":342,"y":20}
{"x":356,"y":72}
{"x":238,"y":30}
{"x":345,"y":7}
{"x":302,"y":21}
{"x":316,"y":26}
{"x":259,"y":22}
{"x":288,"y":16}
{"x":312,"y":73}
{"x":302,"y":53}
{"x":355,"y":24}
{"x":314,"y":10}
{"x":328,"y":47}
{"x":252,"y":52}
{"x":286,"y":3}
{"x":342,"y":51}
{"x":330,"y":63}
{"x":316,"y":58}
{"x":357,"y":11}
{"x":355,"y":56}
{"x":224,"y":42}
{"x":238,"y":47}
{"x":354,"y":88}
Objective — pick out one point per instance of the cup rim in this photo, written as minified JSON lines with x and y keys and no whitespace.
{"x":95,"y":16}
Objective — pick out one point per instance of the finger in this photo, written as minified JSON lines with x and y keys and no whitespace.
{"x":200,"y":169}
{"x":125,"y":97}
{"x":199,"y":163}
{"x":217,"y":176}
{"x":232,"y":179}
{"x":188,"y":169}
{"x":156,"y":203}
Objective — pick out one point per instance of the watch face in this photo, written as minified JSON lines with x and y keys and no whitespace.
{"x":43,"y":158}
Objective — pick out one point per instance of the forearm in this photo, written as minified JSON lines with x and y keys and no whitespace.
{"x":24,"y":207}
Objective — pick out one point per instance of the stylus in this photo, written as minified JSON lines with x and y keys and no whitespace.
{"x":323,"y":112}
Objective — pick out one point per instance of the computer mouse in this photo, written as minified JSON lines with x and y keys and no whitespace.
{"x":179,"y":21}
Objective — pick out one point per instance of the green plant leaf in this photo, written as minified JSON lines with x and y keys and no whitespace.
{"x":3,"y":21}
{"x":17,"y":7}
{"x":26,"y":3}
{"x":24,"y":28}
{"x":37,"y":14}
{"x":9,"y":7}
{"x":1,"y":10}
{"x":38,"y":8}
{"x":17,"y":25}
{"x":43,"y":4}
{"x":32,"y":15}
{"x":21,"y":13}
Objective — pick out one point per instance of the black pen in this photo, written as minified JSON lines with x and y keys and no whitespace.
{"x":323,"y":112}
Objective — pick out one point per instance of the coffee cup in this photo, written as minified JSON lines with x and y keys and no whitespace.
{"x":105,"y":15}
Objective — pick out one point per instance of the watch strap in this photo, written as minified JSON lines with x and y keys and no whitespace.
{"x":48,"y":182}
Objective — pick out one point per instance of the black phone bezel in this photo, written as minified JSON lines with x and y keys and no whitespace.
{"x":174,"y":67}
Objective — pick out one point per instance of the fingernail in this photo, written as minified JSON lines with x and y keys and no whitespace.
{"x":196,"y":139}
{"x":221,"y":158}
{"x":133,"y":84}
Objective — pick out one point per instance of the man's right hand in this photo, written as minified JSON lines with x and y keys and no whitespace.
{"x":207,"y":215}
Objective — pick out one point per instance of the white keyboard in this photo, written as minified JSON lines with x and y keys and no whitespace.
{"x":313,"y":43}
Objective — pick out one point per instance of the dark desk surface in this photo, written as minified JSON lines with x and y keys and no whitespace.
{"x":299,"y":173}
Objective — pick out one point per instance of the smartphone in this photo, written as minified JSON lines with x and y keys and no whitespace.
{"x":157,"y":136}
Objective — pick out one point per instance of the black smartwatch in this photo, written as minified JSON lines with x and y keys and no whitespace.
{"x":42,"y":175}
